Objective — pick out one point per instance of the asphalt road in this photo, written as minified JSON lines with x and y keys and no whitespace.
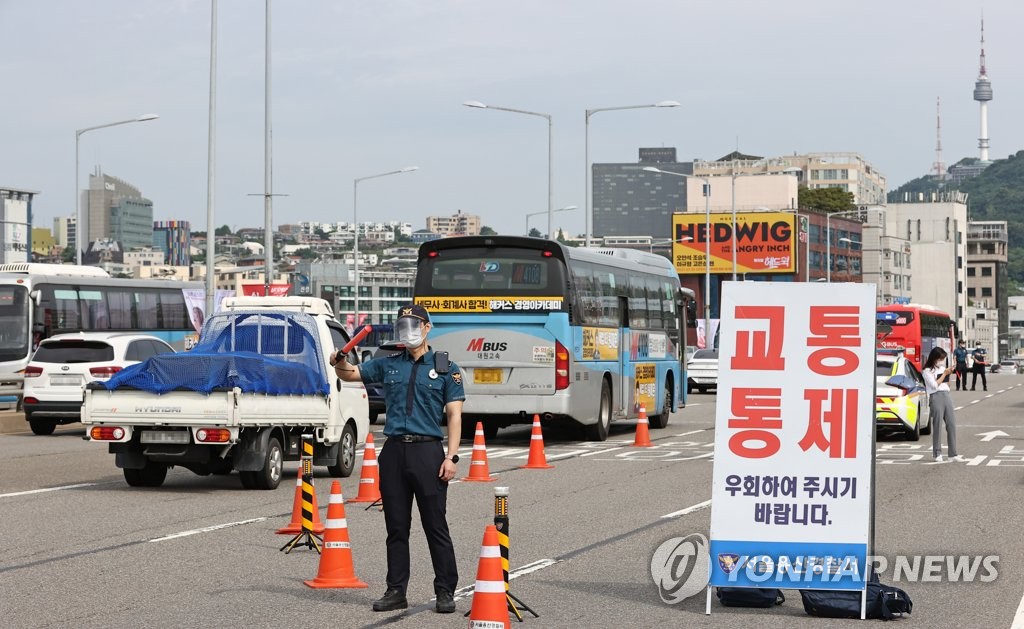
{"x":80,"y":548}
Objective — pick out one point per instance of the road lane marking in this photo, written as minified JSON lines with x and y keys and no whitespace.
{"x":687,"y":510}
{"x":206,"y":529}
{"x":692,"y":432}
{"x":600,"y":451}
{"x":540,"y":564}
{"x":40,"y":491}
{"x":1018,"y":618}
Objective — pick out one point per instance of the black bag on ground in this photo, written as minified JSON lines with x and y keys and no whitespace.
{"x":750,"y":597}
{"x":883,"y":601}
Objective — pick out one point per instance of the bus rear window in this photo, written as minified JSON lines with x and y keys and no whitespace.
{"x":491,"y":272}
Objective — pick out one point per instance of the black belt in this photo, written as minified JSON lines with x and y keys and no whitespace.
{"x":415,"y":438}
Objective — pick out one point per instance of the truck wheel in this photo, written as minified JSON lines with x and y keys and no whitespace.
{"x":346,"y":454}
{"x":42,"y":426}
{"x":152,"y":475}
{"x":270,"y":476}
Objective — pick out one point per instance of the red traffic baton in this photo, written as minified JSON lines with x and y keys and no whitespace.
{"x":355,"y":339}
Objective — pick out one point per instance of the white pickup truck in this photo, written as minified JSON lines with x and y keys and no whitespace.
{"x":258,"y":379}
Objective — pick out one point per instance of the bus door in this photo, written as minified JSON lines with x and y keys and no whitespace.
{"x":625,"y":385}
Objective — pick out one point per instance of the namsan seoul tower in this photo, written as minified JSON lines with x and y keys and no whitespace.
{"x":983,"y":94}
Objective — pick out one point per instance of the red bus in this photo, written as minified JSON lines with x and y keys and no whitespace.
{"x":916,"y":329}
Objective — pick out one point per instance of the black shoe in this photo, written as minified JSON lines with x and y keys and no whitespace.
{"x":445,"y":602}
{"x":393,"y":599}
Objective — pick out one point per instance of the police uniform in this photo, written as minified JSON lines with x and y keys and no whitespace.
{"x":410,"y":459}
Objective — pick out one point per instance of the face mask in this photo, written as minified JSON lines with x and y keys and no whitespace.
{"x":410,"y":331}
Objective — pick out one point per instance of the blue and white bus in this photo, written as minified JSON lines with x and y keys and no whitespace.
{"x":38,"y":301}
{"x":570,"y":334}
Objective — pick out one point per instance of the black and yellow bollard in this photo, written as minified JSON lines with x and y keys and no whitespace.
{"x":306,"y":537}
{"x":501,"y":523}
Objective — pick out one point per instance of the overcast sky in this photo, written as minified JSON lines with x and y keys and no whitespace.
{"x":360,"y":88}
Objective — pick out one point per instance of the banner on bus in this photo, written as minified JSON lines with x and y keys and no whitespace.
{"x":491,"y":304}
{"x":792,"y":482}
{"x":765,"y":242}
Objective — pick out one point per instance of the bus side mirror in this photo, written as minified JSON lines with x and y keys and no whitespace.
{"x":691,"y":313}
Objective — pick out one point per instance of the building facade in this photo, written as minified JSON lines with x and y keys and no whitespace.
{"x":173,"y":238}
{"x":15,"y":224}
{"x":116,"y":210}
{"x":630,"y":201}
{"x":458,"y":224}
{"x":987,"y":279}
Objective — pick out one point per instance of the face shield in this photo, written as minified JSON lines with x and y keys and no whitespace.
{"x":410,"y":331}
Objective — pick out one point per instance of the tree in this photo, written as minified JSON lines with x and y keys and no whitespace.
{"x":223,"y":230}
{"x":535,"y":233}
{"x":825,"y":199}
{"x":487,"y":231}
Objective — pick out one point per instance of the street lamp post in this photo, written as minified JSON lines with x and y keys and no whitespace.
{"x":355,"y":232}
{"x":588,"y":209}
{"x":548,"y":212}
{"x":478,"y":105}
{"x":707,"y":243}
{"x":78,"y":202}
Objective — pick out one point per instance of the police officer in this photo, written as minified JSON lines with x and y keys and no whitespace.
{"x":413,"y":462}
{"x":978,"y":368}
{"x":960,"y":367}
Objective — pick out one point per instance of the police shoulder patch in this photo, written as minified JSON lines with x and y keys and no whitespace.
{"x":457,"y":377}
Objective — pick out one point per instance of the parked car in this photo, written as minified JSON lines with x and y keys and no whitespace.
{"x":901,"y":403}
{"x":702,"y":370}
{"x":1006,"y":366}
{"x":63,"y":364}
{"x":375,"y":390}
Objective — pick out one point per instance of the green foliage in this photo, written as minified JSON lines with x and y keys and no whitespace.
{"x":997,"y":194}
{"x":487,"y":231}
{"x":825,"y":199}
{"x":223,"y":230}
{"x":535,"y":233}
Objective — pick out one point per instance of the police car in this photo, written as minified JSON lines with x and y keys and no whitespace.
{"x":901,"y":401}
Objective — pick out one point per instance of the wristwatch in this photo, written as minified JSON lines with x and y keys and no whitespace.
{"x":453,"y":458}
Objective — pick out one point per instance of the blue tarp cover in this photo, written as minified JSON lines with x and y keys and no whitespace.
{"x":258,"y":352}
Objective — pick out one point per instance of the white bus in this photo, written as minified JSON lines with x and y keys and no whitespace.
{"x":571,"y":334}
{"x":40,"y":300}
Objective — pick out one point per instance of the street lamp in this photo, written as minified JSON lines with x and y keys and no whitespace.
{"x":548,"y":212}
{"x":788,"y":171}
{"x":355,"y":230}
{"x":78,"y":202}
{"x":707,"y":242}
{"x":588,"y":209}
{"x":478,"y":105}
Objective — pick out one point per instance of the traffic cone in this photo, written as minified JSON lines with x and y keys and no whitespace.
{"x":490,"y":607}
{"x":369,"y":477}
{"x":295,"y":526}
{"x":643,"y":436}
{"x":478,"y":470}
{"x":537,"y":460}
{"x":336,"y":569}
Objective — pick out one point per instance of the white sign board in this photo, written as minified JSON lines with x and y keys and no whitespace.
{"x":794,"y":428}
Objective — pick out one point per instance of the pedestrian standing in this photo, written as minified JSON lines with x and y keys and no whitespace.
{"x":960,"y":365}
{"x":419,"y":386}
{"x":979,"y":368}
{"x":940,"y":404}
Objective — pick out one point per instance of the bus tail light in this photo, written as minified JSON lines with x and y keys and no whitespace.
{"x":561,"y":367}
{"x":213,"y":435}
{"x":106,"y":433}
{"x":104,"y":372}
{"x":32,"y":371}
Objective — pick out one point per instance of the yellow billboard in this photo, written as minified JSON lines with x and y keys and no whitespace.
{"x":765,"y":242}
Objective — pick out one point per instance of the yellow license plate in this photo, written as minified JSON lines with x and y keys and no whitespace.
{"x":487,"y":376}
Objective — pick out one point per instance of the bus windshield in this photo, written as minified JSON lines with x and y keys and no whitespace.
{"x":14,"y":320}
{"x":491,"y":279}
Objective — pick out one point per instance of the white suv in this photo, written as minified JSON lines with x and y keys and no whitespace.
{"x":63,"y":364}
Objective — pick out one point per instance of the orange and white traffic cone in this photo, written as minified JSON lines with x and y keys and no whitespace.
{"x":295,"y":526}
{"x":643,"y":435}
{"x":336,"y":570}
{"x":478,"y":470}
{"x":490,"y":606}
{"x":369,"y":477}
{"x":536,"y":460}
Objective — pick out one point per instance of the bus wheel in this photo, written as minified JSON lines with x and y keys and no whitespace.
{"x":599,"y":430}
{"x":660,"y":421}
